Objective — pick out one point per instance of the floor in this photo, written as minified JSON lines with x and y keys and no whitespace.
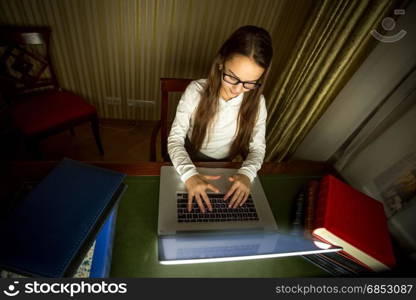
{"x":123,"y":141}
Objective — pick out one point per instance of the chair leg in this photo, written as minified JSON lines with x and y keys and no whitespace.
{"x":96,"y":131}
{"x":72,"y":131}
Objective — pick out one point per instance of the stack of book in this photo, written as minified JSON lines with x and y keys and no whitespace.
{"x":340,"y":215}
{"x":67,"y":215}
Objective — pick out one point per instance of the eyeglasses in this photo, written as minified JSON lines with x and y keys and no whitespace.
{"x":235,"y":81}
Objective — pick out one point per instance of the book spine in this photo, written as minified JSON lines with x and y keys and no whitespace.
{"x":346,"y":255}
{"x":299,"y":213}
{"x":311,"y":199}
{"x":328,"y":266}
{"x":347,"y":263}
{"x":321,"y":203}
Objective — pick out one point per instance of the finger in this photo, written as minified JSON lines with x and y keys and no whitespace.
{"x":212,"y":177}
{"x":239,"y":200}
{"x":234,"y":198}
{"x":206,"y":200}
{"x":199,"y":202}
{"x":213,"y":188}
{"x":245,"y":198}
{"x":231,"y":178}
{"x":230,"y":191}
{"x":190,"y":196}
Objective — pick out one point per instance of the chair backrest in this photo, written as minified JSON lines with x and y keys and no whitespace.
{"x":25,"y":62}
{"x":168,"y":85}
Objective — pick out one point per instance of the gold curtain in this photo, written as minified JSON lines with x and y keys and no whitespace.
{"x":332,"y":46}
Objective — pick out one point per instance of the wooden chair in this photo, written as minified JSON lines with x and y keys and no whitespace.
{"x":38,"y":107}
{"x":168,"y":85}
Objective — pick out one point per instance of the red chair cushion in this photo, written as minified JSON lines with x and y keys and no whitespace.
{"x":47,"y":110}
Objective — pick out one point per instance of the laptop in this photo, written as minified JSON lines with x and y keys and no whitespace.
{"x":174,"y":218}
{"x":225,"y":234}
{"x":233,"y":246}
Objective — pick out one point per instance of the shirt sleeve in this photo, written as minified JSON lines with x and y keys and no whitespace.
{"x":257,"y":145}
{"x":180,"y":126}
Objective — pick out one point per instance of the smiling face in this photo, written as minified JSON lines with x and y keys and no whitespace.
{"x":244,"y":69}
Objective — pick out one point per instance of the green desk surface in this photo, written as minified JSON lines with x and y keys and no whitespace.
{"x":135,"y":245}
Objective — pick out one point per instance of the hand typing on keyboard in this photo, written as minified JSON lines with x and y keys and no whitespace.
{"x":240,"y":190}
{"x":220,"y":211}
{"x":196,"y":186}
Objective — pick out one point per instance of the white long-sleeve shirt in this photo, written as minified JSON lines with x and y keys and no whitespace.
{"x":221,"y":135}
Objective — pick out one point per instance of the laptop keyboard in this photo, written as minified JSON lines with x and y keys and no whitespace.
{"x":220,"y":211}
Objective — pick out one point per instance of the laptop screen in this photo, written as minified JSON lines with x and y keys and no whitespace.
{"x":232,"y":246}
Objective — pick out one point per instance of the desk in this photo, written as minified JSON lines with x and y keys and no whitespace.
{"x":135,"y":245}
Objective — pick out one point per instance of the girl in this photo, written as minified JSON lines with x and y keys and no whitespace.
{"x":224,"y":116}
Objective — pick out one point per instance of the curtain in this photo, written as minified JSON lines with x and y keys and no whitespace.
{"x":334,"y":43}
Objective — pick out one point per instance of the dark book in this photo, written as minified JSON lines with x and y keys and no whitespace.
{"x":347,"y":263}
{"x":311,"y":198}
{"x":299,"y":218}
{"x":48,"y":233}
{"x":329,"y":266}
{"x":298,"y":213}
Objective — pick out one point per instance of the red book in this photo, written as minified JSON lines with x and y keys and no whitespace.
{"x":350,"y":219}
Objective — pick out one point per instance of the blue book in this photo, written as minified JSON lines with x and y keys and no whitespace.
{"x":48,"y":233}
{"x":103,"y":250}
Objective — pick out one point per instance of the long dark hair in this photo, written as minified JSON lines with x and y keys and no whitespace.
{"x":249,"y":41}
